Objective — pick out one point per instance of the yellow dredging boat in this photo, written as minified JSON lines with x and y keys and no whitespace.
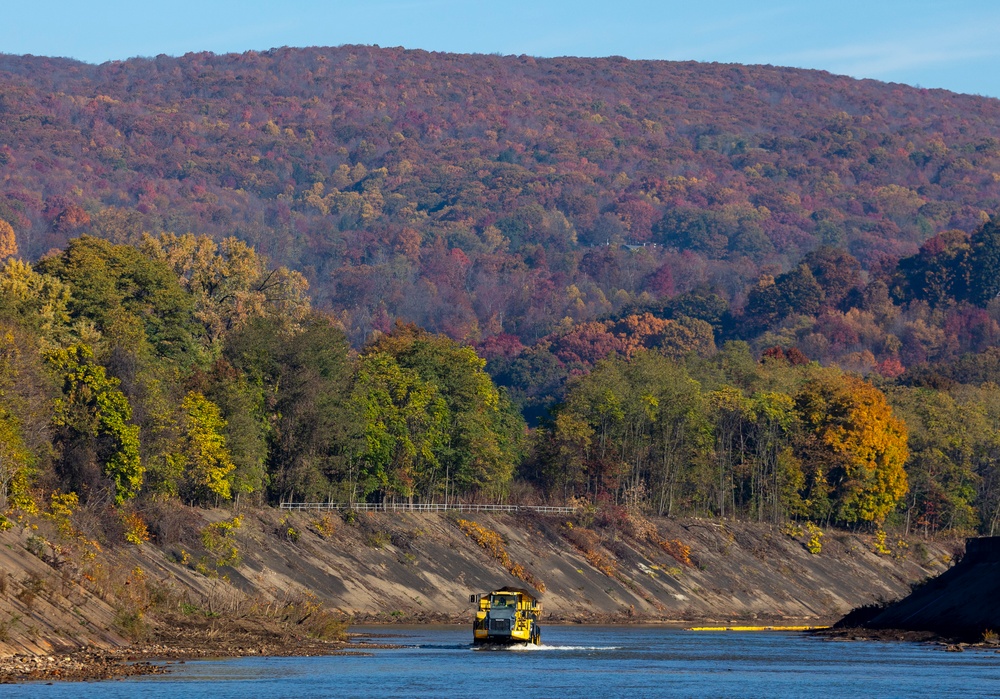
{"x":506,"y":616}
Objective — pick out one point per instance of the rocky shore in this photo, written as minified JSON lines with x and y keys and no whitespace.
{"x":174,"y":647}
{"x":947,"y":642}
{"x":85,"y":665}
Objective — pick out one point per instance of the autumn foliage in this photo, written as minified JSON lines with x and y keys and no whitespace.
{"x":481,"y":195}
{"x":493,"y":544}
{"x":359,"y":273}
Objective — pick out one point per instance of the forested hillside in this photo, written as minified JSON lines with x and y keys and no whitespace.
{"x":476,"y":195}
{"x":357,"y":272}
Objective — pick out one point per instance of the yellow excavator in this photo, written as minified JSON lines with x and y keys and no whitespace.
{"x":506,"y":616}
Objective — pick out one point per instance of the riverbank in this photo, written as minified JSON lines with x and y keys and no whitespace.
{"x":178,"y":643}
{"x":958,"y":605}
{"x":302,"y":574}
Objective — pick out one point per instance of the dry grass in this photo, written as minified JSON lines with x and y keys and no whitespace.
{"x":493,"y":543}
{"x":31,"y":587}
{"x":588,"y":542}
{"x":297,"y":612}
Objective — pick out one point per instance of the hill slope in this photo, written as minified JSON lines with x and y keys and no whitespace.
{"x":467,"y":193}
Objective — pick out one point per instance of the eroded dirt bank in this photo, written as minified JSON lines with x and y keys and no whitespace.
{"x":298,"y":572}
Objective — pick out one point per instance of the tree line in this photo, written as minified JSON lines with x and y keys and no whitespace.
{"x":181,"y":368}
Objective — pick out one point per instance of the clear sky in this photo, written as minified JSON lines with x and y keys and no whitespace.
{"x":933,"y":43}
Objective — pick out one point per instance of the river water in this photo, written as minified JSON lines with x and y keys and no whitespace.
{"x":575,"y":661}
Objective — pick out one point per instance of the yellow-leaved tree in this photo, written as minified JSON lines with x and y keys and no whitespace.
{"x":231,"y":283}
{"x":15,"y":468}
{"x":204,"y":458}
{"x":38,"y":300}
{"x":857,"y":442}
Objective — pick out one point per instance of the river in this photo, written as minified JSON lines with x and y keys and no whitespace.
{"x":575,"y":661}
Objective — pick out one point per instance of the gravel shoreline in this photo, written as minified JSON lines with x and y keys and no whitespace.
{"x":93,"y":664}
{"x":83,"y":665}
{"x":174,"y":645}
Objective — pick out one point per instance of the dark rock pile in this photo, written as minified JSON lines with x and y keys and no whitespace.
{"x":959,"y":604}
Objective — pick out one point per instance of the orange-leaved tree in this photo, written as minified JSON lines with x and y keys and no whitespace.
{"x":8,"y":241}
{"x":862,"y":444}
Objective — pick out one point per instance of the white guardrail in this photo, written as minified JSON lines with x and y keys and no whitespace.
{"x":425,"y":507}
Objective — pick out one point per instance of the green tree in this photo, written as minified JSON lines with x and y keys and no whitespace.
{"x":680,"y":432}
{"x":560,"y":453}
{"x":836,"y":272}
{"x":535,"y":380}
{"x":94,"y":419}
{"x":945,"y":441}
{"x":128,"y":296}
{"x":984,"y":264}
{"x":983,"y":402}
{"x":483,"y":432}
{"x":291,"y":392}
{"x":246,"y":429}
{"x":732,"y":417}
{"x":314,"y":426}
{"x":938,"y":273}
{"x":403,"y":419}
{"x":635,"y":430}
{"x":794,"y":293}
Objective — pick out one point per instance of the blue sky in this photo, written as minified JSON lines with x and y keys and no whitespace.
{"x":933,"y":44}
